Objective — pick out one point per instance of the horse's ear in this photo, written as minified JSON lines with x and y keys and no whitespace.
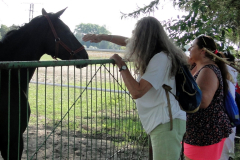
{"x":44,"y":12}
{"x":59,"y":13}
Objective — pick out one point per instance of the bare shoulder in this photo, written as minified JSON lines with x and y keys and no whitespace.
{"x":207,"y":78}
{"x":207,"y":72}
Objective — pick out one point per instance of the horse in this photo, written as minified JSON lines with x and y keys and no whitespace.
{"x":43,"y":34}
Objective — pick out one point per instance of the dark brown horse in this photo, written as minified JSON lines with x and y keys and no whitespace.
{"x":44,"y":34}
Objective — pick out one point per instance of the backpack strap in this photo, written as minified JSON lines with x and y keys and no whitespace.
{"x":168,"y":89}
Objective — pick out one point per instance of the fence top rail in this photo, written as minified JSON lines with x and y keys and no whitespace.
{"x":34,"y":64}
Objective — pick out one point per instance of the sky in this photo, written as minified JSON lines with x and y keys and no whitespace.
{"x":101,"y":12}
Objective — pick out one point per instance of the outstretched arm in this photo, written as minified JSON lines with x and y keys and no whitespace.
{"x":96,"y":38}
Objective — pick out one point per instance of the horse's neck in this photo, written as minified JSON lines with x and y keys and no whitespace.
{"x":24,"y":78}
{"x":26,"y":53}
{"x":21,"y":52}
{"x":22,"y":47}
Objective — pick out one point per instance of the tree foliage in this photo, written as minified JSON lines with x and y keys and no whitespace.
{"x":219,"y":19}
{"x":82,"y":29}
{"x":214,"y":18}
{"x":79,"y":32}
{"x":4,"y":29}
{"x":144,"y":10}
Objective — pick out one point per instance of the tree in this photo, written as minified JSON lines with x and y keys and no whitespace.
{"x":3,"y":30}
{"x":82,"y":29}
{"x":219,"y":19}
{"x":13,"y":27}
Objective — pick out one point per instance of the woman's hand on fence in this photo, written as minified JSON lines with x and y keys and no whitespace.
{"x":118,"y":60}
{"x":93,"y":38}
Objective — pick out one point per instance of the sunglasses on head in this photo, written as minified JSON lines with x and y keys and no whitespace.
{"x":203,"y":39}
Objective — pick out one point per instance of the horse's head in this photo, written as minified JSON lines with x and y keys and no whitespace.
{"x":60,"y":41}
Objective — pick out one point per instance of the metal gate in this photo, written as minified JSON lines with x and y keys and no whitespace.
{"x":76,"y":113}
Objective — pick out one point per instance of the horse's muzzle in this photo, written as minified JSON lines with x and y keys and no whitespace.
{"x":81,"y":66}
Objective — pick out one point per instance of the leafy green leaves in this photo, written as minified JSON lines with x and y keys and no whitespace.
{"x":82,"y":29}
{"x":144,"y":10}
{"x":218,"y":19}
{"x":211,"y":18}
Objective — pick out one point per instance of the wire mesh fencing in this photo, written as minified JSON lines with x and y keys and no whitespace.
{"x":75,"y":113}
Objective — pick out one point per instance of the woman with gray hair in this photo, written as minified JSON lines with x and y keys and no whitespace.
{"x":155,"y":58}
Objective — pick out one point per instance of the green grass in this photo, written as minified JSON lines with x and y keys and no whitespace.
{"x":92,"y":113}
{"x":46,"y":57}
{"x":89,"y":112}
{"x":237,"y":148}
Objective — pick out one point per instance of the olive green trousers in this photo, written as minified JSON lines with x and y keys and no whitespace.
{"x":166,"y":144}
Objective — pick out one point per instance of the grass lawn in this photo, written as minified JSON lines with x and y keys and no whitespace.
{"x":46,"y":57}
{"x":89,"y":112}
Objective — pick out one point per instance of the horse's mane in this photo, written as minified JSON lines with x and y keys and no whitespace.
{"x":7,"y":35}
{"x":18,"y":36}
{"x":29,"y":38}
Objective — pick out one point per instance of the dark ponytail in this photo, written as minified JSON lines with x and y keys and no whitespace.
{"x":224,"y":71}
{"x":229,"y":56}
{"x":208,"y":43}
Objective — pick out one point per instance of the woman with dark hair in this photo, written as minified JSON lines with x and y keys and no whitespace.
{"x":229,"y":56}
{"x":208,"y":128}
{"x":228,"y":148}
{"x":155,"y":58}
{"x":233,"y":73}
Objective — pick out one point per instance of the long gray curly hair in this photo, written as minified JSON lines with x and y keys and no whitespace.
{"x":148,"y":39}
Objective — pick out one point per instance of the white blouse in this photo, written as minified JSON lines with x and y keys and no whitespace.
{"x":152,"y":106}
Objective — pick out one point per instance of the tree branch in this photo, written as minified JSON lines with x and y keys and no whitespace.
{"x":147,"y":9}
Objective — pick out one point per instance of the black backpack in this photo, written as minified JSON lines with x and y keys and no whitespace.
{"x":188,"y":94}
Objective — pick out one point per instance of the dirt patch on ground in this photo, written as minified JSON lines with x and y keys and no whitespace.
{"x":65,"y":145}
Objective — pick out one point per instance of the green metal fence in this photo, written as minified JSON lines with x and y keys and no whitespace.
{"x":82,"y":113}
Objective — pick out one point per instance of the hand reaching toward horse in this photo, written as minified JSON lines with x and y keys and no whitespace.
{"x":93,"y":38}
{"x":96,"y":38}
